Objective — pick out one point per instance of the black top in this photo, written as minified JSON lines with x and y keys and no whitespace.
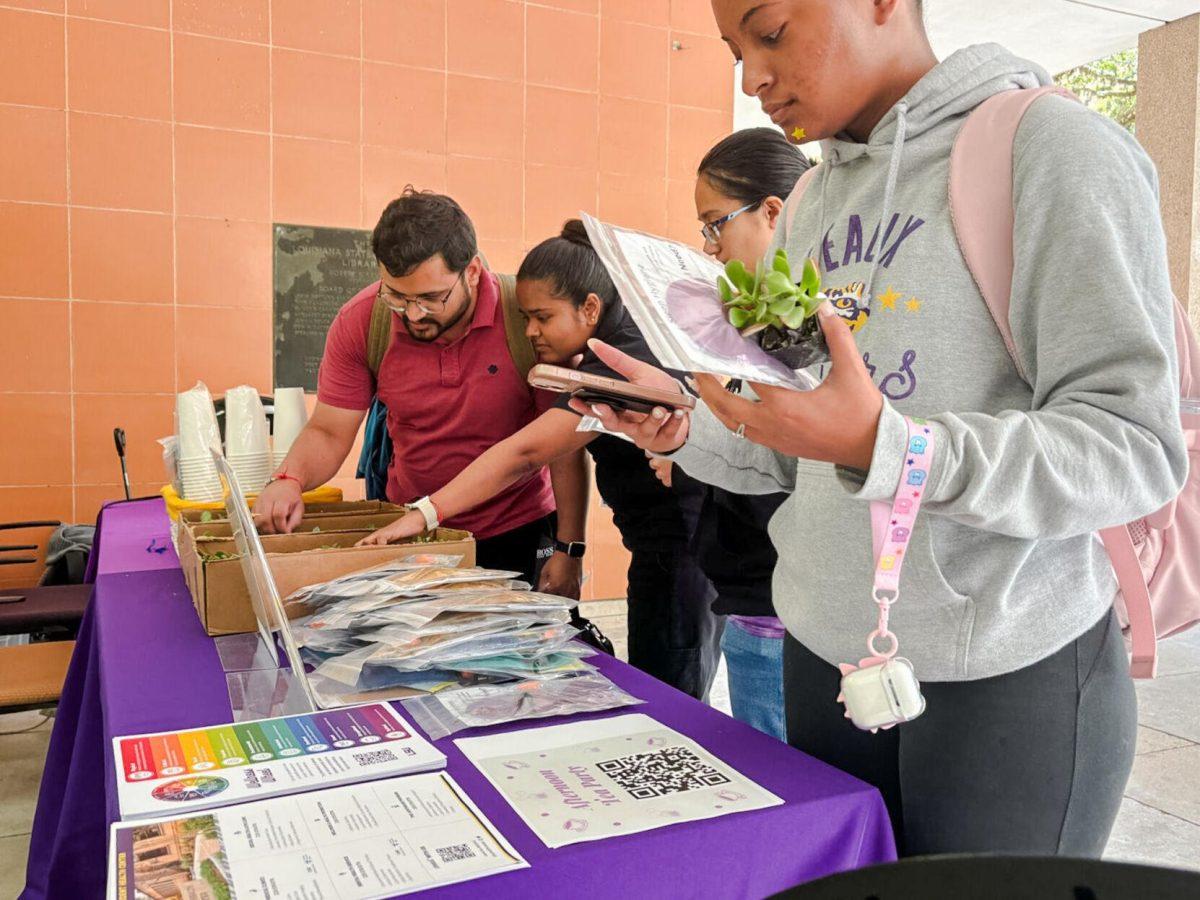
{"x":735,"y":551}
{"x":648,"y":515}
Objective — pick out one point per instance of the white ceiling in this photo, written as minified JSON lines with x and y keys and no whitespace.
{"x":1058,"y":34}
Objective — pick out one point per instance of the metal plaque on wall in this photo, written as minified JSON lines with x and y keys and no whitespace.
{"x":316,"y":271}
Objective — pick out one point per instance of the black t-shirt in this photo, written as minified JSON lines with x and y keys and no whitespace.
{"x":648,"y":515}
{"x":735,"y":551}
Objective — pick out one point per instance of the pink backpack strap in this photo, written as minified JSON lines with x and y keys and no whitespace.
{"x":981,"y":198}
{"x":982,"y":210}
{"x":797,"y":195}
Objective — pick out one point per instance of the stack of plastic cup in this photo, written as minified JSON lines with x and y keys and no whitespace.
{"x":196,"y":428}
{"x":247,"y":438}
{"x":290,"y":417}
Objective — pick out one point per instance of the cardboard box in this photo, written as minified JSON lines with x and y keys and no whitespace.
{"x":305,"y":557}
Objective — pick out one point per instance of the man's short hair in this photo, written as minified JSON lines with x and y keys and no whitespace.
{"x":418,"y":225}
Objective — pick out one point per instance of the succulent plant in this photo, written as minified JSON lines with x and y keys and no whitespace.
{"x":776,"y":310}
{"x":769,"y":298}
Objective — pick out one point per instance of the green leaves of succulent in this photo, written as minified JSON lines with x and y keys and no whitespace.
{"x":769,"y":298}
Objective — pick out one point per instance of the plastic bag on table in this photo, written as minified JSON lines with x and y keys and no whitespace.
{"x":463,"y":623}
{"x":420,"y":612}
{"x":547,"y":665}
{"x":409,"y":582}
{"x":448,"y":712}
{"x":427,"y":652}
{"x":355,"y":584}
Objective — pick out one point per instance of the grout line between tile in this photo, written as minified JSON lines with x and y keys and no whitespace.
{"x":70,"y":267}
{"x":1162,"y":811}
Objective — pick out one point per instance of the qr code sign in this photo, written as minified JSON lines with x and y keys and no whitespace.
{"x":455,"y":853}
{"x":670,"y":770}
{"x":375,"y":757}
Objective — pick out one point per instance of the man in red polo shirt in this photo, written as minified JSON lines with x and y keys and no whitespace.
{"x":451,"y":389}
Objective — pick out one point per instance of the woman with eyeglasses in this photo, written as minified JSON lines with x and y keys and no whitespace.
{"x":568,"y":298}
{"x":740,"y":187}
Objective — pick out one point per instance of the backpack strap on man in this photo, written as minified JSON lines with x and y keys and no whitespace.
{"x":519,"y":347}
{"x":379,"y":337}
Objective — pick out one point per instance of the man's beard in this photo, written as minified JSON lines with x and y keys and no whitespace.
{"x":439,"y":328}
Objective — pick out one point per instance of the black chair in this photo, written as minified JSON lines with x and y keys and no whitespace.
{"x":1003,"y":878}
{"x":43,"y":611}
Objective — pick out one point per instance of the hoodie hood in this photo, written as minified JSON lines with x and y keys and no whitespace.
{"x":952,"y":88}
{"x":949,"y":90}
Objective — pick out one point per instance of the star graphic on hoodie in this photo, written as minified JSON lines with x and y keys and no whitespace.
{"x":913,"y":305}
{"x":889,"y":298}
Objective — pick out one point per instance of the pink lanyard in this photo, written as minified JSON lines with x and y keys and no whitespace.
{"x":893,"y":530}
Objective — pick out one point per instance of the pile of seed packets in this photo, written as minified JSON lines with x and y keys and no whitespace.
{"x":424,"y":623}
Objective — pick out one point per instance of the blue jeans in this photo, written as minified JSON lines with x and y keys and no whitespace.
{"x":755,"y":667}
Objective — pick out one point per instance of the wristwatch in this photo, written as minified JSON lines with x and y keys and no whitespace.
{"x":427,"y":509}
{"x":574,"y":549}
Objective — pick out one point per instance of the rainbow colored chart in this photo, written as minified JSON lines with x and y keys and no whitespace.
{"x":274,"y":756}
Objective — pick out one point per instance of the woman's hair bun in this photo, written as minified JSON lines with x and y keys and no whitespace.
{"x":573,"y":230}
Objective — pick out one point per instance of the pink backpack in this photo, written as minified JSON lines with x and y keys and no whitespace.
{"x":1157,"y":558}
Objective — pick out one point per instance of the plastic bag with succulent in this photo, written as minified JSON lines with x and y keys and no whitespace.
{"x":775,"y":310}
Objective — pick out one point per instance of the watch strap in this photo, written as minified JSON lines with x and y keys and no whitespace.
{"x":426,"y":508}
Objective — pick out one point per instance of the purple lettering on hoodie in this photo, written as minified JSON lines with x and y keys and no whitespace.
{"x":870,"y":254}
{"x":854,"y":239}
{"x":910,"y":226}
{"x":826,"y":247}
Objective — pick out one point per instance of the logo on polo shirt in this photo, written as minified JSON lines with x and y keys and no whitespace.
{"x":493,"y":369}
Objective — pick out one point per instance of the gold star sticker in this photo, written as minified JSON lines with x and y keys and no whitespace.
{"x":889,"y":299}
{"x":913,"y":305}
{"x":798,"y":133}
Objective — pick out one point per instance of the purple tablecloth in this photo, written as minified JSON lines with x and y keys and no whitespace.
{"x":143,"y":663}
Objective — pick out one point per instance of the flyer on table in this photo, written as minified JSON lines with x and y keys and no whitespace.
{"x":358,"y":842}
{"x":584,"y":781}
{"x":200,"y":768}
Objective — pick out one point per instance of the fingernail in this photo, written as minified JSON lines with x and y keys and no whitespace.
{"x":679,"y":413}
{"x":658,"y":413}
{"x":825,"y":310}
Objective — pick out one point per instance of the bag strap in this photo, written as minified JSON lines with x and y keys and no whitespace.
{"x":379,"y":338}
{"x":981,"y":199}
{"x":983,"y":214}
{"x":519,"y":347}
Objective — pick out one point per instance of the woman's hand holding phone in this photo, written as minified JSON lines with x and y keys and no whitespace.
{"x":659,"y":431}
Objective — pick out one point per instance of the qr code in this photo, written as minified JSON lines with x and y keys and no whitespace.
{"x":455,"y":853}
{"x":670,"y":770}
{"x":374,"y":757}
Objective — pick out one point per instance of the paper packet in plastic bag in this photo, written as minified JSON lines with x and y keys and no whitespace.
{"x":448,"y":712}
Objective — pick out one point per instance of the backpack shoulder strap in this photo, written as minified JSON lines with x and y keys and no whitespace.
{"x":796,"y":196}
{"x":981,"y":209}
{"x":981,"y":198}
{"x":379,"y":337}
{"x":519,"y":347}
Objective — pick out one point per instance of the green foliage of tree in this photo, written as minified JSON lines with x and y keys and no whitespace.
{"x":1107,"y":85}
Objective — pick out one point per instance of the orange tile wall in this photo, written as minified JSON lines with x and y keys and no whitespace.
{"x":147,"y":145}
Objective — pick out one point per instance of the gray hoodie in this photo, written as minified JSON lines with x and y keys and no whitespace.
{"x":1003,"y":566}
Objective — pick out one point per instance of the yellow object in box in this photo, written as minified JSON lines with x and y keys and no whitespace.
{"x":176,"y":504}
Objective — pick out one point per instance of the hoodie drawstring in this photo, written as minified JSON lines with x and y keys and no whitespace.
{"x":889,"y":190}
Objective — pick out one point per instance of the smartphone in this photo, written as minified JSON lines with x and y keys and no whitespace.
{"x":609,"y":391}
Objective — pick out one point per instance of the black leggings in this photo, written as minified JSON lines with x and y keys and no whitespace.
{"x":1032,"y":762}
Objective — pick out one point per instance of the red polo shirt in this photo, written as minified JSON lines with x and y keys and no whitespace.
{"x":447,"y":404}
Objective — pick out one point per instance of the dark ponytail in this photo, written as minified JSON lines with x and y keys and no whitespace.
{"x":571,"y":266}
{"x":751,"y":165}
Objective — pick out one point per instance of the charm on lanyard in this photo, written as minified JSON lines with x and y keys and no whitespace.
{"x":882,"y":690}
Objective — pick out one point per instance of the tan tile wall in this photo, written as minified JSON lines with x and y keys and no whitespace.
{"x":148,"y":145}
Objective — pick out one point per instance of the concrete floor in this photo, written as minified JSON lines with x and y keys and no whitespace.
{"x":1159,"y":821}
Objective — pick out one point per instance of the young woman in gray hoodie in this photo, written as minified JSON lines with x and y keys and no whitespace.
{"x":1006,"y":598}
